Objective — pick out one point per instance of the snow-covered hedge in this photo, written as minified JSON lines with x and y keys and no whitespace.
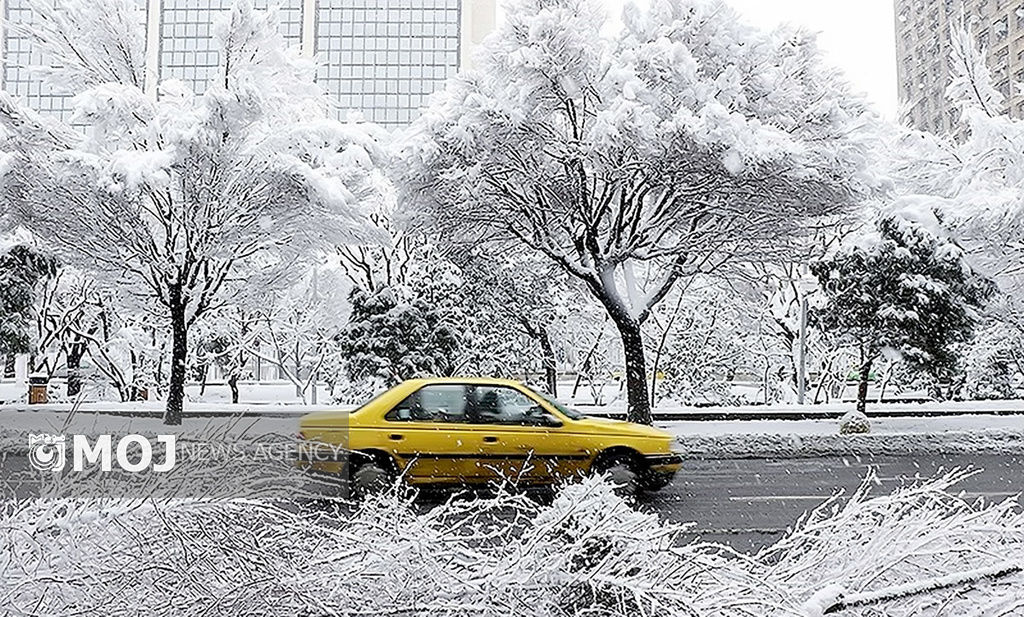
{"x":587,"y":553}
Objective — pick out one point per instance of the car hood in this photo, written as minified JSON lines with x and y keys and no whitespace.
{"x":619,"y":427}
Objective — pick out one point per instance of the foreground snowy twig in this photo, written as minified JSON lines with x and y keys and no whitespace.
{"x":587,"y":553}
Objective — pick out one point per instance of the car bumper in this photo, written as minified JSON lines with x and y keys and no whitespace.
{"x":664,"y":463}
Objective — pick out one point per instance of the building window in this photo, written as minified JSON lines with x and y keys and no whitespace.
{"x":385,"y":61}
{"x":19,"y":55}
{"x":188,"y":50}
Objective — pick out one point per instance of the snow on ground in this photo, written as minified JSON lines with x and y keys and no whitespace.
{"x":963,"y":434}
{"x":879,"y":426}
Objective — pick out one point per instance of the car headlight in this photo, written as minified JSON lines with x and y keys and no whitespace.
{"x":676,"y":448}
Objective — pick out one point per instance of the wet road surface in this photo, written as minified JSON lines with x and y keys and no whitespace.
{"x":747,"y":503}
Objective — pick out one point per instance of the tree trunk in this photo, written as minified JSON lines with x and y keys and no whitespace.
{"x":550,"y":361}
{"x":75,"y":354}
{"x":202,"y":371}
{"x":233,"y":384}
{"x":639,"y":406}
{"x":862,"y":385}
{"x":179,"y":353}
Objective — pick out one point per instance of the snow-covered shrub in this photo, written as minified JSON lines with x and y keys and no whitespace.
{"x":854,"y":422}
{"x":897,"y":546}
{"x":587,"y":553}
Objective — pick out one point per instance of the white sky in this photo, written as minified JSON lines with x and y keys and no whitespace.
{"x":856,"y":36}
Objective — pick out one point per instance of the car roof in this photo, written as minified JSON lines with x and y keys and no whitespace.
{"x":477,"y":381}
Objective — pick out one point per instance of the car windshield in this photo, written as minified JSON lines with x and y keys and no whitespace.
{"x":567,"y":411}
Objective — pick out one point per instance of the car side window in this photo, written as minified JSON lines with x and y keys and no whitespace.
{"x":436,"y":403}
{"x":503,"y":405}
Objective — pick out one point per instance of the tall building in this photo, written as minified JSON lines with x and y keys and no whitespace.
{"x":383,"y":58}
{"x":922,"y":56}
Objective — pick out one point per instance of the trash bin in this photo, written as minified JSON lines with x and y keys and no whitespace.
{"x":37,"y":389}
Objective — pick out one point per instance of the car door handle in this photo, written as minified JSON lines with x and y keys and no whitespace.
{"x":395,"y":437}
{"x":490,"y":439}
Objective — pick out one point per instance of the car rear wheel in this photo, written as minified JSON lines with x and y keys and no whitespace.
{"x":369,"y":478}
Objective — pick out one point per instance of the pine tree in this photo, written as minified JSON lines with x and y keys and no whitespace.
{"x":389,"y":338}
{"x":903,"y":287}
{"x":22,"y":267}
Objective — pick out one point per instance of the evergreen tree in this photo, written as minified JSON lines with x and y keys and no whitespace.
{"x":390,"y":338}
{"x":21,"y":269}
{"x":904,"y":287}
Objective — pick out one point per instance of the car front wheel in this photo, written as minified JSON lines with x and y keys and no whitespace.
{"x":622,"y":471}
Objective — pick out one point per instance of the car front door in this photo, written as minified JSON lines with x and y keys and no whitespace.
{"x":516,"y":443}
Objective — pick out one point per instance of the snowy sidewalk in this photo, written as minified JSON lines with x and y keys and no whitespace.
{"x":951,"y":434}
{"x":680,"y":413}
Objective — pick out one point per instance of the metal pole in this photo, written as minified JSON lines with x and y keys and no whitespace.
{"x":801,"y":378}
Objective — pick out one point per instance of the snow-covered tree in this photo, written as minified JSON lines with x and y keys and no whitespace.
{"x":298,"y":330}
{"x":23,"y":267}
{"x":994,"y":363}
{"x":689,"y":140}
{"x":903,"y":288}
{"x":67,"y":311}
{"x":699,"y":346}
{"x":519,"y":305}
{"x":407,"y":330}
{"x":223,"y":339}
{"x":183,"y":196}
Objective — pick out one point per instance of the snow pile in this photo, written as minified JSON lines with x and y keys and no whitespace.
{"x":586,"y":553}
{"x":854,"y":422}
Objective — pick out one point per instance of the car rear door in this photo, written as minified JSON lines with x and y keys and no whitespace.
{"x":429,"y":434}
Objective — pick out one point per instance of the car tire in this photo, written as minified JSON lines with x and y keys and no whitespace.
{"x":621,"y":470}
{"x":369,"y":478}
{"x":656,"y":482}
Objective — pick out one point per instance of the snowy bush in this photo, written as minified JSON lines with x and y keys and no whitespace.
{"x":587,"y":553}
{"x":854,"y":422}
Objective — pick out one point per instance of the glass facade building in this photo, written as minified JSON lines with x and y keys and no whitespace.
{"x":923,"y":46}
{"x":383,"y":58}
{"x":188,"y":50}
{"x":19,"y":58}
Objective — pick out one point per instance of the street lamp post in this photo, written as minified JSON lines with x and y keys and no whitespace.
{"x":805,"y":285}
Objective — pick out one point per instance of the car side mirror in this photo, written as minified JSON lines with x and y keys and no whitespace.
{"x":549,"y":419}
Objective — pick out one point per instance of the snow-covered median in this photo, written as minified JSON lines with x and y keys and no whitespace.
{"x":921,"y":551}
{"x":953,"y":434}
{"x":966,"y":434}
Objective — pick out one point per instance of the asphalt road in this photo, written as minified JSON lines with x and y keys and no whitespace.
{"x":749,"y":503}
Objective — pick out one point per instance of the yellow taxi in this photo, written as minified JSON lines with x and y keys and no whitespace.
{"x":477,"y":431}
